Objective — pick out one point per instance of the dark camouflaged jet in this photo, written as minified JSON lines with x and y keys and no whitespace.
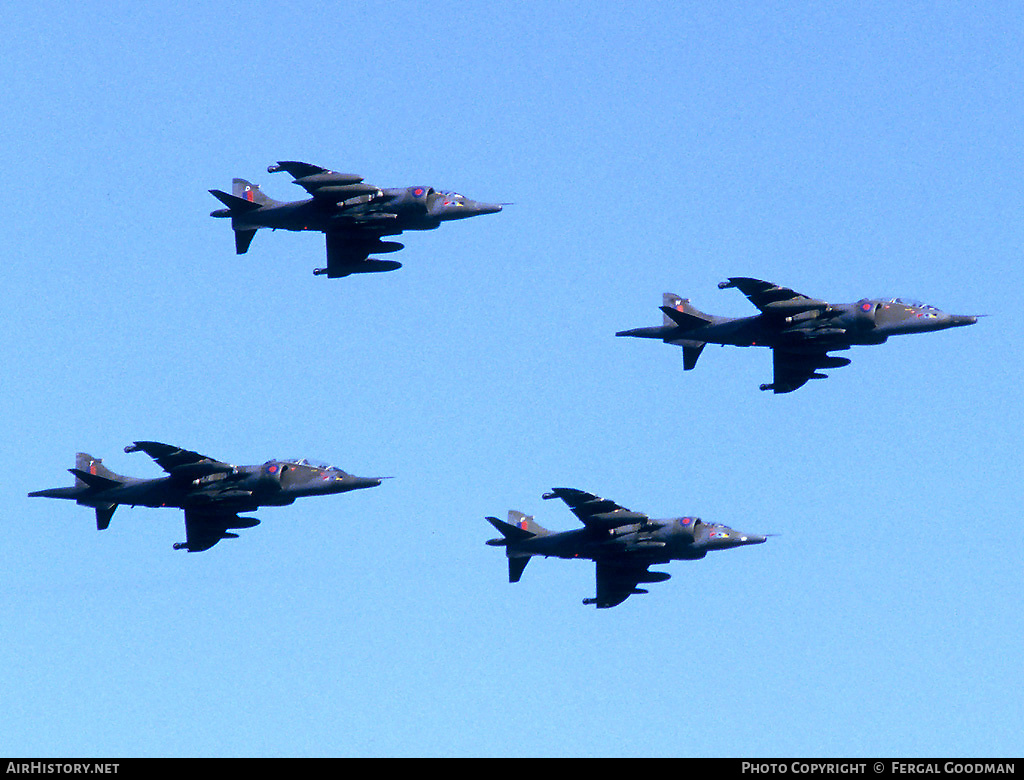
{"x":211,"y":492}
{"x":800,"y":331}
{"x":622,"y":543}
{"x":354,"y":215}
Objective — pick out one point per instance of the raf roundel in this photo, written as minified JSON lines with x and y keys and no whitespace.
{"x":272,"y":468}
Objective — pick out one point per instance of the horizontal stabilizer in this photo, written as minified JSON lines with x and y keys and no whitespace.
{"x":511,"y":533}
{"x":234,"y":203}
{"x":95,"y":480}
{"x":684,"y":319}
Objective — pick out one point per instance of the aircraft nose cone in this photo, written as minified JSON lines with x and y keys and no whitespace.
{"x":753,"y":539}
{"x":357,"y":483}
{"x":964,"y":319}
{"x":486,"y":208}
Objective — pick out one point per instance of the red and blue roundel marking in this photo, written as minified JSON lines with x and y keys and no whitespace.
{"x":686,"y":521}
{"x":272,"y":468}
{"x":865,"y":307}
{"x":418,"y":192}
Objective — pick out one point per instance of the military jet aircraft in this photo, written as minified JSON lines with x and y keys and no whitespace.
{"x":211,"y":492}
{"x":353,"y":214}
{"x":622,"y":543}
{"x":801,"y":331}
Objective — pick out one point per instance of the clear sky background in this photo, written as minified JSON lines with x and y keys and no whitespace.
{"x":843,"y":150}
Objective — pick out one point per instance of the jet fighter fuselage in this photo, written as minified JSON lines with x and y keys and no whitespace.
{"x":353,"y":215}
{"x":211,"y":492}
{"x":622,"y":543}
{"x":800,"y":330}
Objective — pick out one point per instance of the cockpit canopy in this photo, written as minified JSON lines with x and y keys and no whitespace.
{"x":911,"y":302}
{"x":308,"y":462}
{"x":914,"y":303}
{"x":888,"y":312}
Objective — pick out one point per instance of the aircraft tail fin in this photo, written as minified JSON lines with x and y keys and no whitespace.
{"x":519,"y":528}
{"x":680,"y":313}
{"x":91,"y":477}
{"x":526,"y":523}
{"x":247,"y":191}
{"x":90,"y":472}
{"x":90,"y":466}
{"x":238,"y":205}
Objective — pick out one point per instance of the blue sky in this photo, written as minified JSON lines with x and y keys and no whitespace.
{"x":844,"y":150}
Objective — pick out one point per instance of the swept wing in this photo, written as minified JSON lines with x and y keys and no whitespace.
{"x":596,"y":512}
{"x":204,"y":528}
{"x":617,"y":580}
{"x":348,"y":252}
{"x":772,"y":299}
{"x":794,"y":369}
{"x":183,"y":465}
{"x":325,"y":184}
